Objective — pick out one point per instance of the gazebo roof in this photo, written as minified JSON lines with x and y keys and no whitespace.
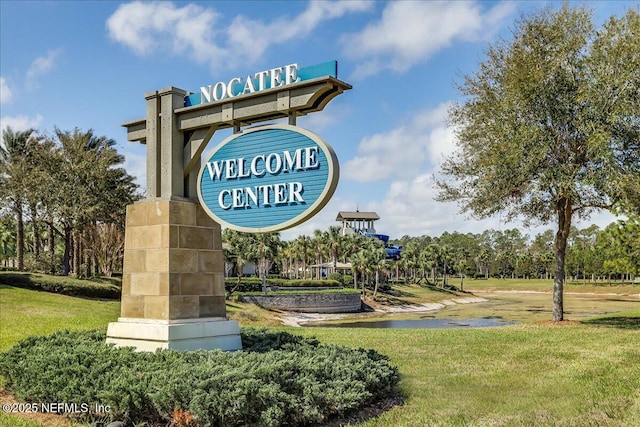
{"x":342,"y":215}
{"x":339,"y":265}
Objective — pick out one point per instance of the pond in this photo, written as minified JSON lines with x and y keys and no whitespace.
{"x":500,"y":308}
{"x":486,"y":322}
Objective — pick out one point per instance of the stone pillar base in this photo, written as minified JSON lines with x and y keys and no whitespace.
{"x":183,"y":334}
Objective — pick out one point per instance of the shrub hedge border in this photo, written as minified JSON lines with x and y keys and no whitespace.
{"x":254,"y":284}
{"x":278,"y":379}
{"x":61,"y":285}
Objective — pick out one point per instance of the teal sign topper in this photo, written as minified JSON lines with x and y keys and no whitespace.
{"x":268,"y":178}
{"x":260,"y":81}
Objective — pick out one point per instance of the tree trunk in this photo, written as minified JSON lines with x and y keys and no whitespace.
{"x":52,"y":245}
{"x":19,"y":235}
{"x":76,"y":254}
{"x":36,"y":231}
{"x":564,"y":211}
{"x":375,"y":289}
{"x":444,"y":275}
{"x":66,"y":259}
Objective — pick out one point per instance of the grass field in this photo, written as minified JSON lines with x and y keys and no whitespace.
{"x":531,"y":374}
{"x":516,"y":376}
{"x":545,"y":286}
{"x":24,"y":313}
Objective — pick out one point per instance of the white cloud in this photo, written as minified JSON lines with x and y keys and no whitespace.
{"x":136,"y":166}
{"x":408,"y":157}
{"x":398,"y":152}
{"x":410,"y":32}
{"x":149,"y":27}
{"x":404,"y":151}
{"x":20,"y":122}
{"x":322,"y":220}
{"x":322,"y":120}
{"x":41,"y":66}
{"x":249,"y":35}
{"x":5,"y":92}
{"x":198,"y":32}
{"x":409,"y":208}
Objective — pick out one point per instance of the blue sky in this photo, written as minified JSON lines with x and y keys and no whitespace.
{"x":87,"y":65}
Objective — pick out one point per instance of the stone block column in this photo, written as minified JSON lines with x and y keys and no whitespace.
{"x":173,"y":280}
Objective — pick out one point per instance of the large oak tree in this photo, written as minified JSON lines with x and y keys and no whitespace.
{"x":549,"y":129}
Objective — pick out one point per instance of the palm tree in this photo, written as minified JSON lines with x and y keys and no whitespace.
{"x":16,"y":163}
{"x":285,"y":257}
{"x":410,"y":257}
{"x":7,"y":239}
{"x":350,"y":245}
{"x":380,"y":265}
{"x":333,"y":243}
{"x":265,"y":250}
{"x":431,"y":257}
{"x":446,"y":257}
{"x":375,"y":254}
{"x":92,"y":187}
{"x":461,"y":266}
{"x":547,"y":259}
{"x":301,"y":246}
{"x":319,"y":246}
{"x":358,"y":266}
{"x":483,"y":261}
{"x":240,"y":249}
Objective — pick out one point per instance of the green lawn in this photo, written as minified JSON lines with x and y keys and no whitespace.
{"x":24,"y":313}
{"x":515,"y":376}
{"x":532,"y":374}
{"x":13,"y":421}
{"x":541,"y":285}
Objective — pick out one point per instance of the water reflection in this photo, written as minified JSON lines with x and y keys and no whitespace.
{"x":488,"y":322}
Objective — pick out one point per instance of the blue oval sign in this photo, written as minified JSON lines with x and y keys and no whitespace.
{"x":268,"y":178}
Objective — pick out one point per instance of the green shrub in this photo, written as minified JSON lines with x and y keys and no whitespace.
{"x":347,"y":279}
{"x":99,"y":288}
{"x":254,"y":284}
{"x":336,"y":276}
{"x":278,"y":379}
{"x":43,"y":263}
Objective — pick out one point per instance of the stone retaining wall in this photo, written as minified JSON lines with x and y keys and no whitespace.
{"x":308,"y":303}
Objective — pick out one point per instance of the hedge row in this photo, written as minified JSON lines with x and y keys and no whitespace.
{"x":62,"y":285}
{"x":278,"y":379}
{"x":254,"y":284}
{"x":111,"y":290}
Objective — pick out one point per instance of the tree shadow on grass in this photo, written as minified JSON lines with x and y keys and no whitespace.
{"x":622,"y":322}
{"x":447,"y":289}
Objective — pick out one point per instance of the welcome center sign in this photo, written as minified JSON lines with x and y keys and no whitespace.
{"x":268,"y":178}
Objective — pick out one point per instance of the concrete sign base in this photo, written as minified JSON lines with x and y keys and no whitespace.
{"x":192,"y":334}
{"x":173,"y":280}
